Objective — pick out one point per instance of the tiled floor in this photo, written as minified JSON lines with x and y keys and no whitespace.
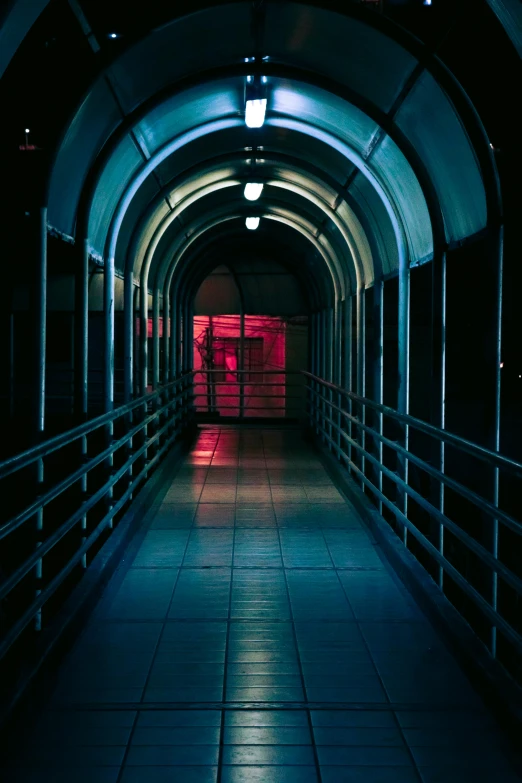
{"x":258,"y":636}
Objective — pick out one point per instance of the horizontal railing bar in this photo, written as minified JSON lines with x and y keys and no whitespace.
{"x":480,"y":502}
{"x":51,"y":588}
{"x":480,"y":452}
{"x":249,"y":396}
{"x":496,"y":619}
{"x":247,"y":408}
{"x":482,"y":553}
{"x":249,"y":372}
{"x":19,"y":461}
{"x":282,"y":385}
{"x":14,"y":523}
{"x":68,"y":525}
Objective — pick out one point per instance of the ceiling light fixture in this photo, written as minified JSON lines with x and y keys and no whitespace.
{"x":255,"y":100}
{"x":255,"y":112}
{"x":252,"y":223}
{"x":253,"y":190}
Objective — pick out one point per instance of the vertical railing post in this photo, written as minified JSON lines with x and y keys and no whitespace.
{"x":156,"y":363}
{"x":378,"y":342}
{"x":242,"y":363}
{"x":38,"y":254}
{"x":311,"y":368}
{"x":11,"y":363}
{"x":404,"y":379}
{"x":498,"y":243}
{"x":144,"y":361}
{"x":81,"y":331}
{"x":108,"y":375}
{"x":173,"y":350}
{"x":81,"y":363}
{"x":323,"y":374}
{"x":128,"y":366}
{"x":361,"y":361}
{"x":330,"y":347}
{"x":438,"y":386}
{"x":318,"y":363}
{"x":347,"y":381}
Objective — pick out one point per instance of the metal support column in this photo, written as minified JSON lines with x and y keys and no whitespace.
{"x":108,"y":374}
{"x":311,"y":365}
{"x":347,"y":372}
{"x":322,"y":374}
{"x":38,"y":251}
{"x":438,"y":385}
{"x":11,"y":364}
{"x":174,"y":334}
{"x":166,"y":337}
{"x":155,"y":338}
{"x":128,"y":362}
{"x":144,"y":337}
{"x":378,"y":375}
{"x":128,"y":336}
{"x":136,"y":342}
{"x":242,"y":362}
{"x":361,"y":363}
{"x":403,"y":401}
{"x":330,"y":349}
{"x":81,"y":362}
{"x":498,"y":242}
{"x":81,"y":331}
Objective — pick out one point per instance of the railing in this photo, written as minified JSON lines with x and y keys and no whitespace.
{"x":62,"y":498}
{"x":340,"y":419}
{"x":249,"y":393}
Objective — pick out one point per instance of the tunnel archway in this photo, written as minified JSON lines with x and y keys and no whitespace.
{"x":379,"y":250}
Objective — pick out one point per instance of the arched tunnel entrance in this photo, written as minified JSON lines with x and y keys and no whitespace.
{"x":261,"y":466}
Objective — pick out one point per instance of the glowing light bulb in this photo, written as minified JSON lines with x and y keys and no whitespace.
{"x":27,"y":130}
{"x":253,"y":190}
{"x":252,"y":223}
{"x":255,"y":112}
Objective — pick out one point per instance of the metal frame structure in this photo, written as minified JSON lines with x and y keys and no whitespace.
{"x":339,"y":410}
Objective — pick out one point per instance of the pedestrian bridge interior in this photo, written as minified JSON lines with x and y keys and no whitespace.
{"x":262,"y":460}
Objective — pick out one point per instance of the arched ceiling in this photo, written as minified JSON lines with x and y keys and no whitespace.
{"x":363,"y":152}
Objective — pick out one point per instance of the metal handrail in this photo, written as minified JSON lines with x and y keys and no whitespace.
{"x":175,"y":395}
{"x":27,"y":457}
{"x":330,"y":421}
{"x":481,"y":452}
{"x":67,"y":482}
{"x":468,"y":494}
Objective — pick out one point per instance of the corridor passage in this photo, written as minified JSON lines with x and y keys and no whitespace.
{"x":253,"y":633}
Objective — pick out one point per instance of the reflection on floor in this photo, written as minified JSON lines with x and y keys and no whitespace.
{"x":258,"y":636}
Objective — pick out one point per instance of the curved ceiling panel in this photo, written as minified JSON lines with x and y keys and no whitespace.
{"x":399,"y":181}
{"x":196,"y":42}
{"x":321,"y":108}
{"x":367,"y":210}
{"x":344,"y":49}
{"x":193,"y":107}
{"x":430,"y":122}
{"x":328,"y":112}
{"x":378,"y":226}
{"x":93,"y":123}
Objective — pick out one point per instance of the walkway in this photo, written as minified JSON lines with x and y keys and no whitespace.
{"x":258,"y":636}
